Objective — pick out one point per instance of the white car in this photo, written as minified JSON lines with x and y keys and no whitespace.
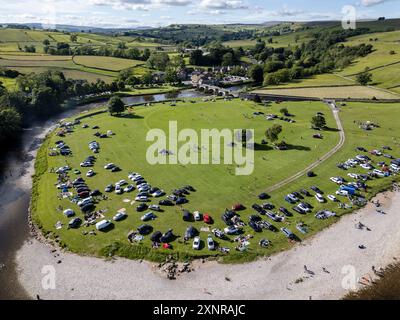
{"x":141,"y":199}
{"x":319,"y":198}
{"x":85,"y":201}
{"x":90,"y":173}
{"x":69,"y":213}
{"x":303,"y":207}
{"x":118,"y":189}
{"x":109,"y":166}
{"x":132,"y":175}
{"x":129,"y":188}
{"x":196,"y":243}
{"x":353,"y":175}
{"x":366,"y":166}
{"x":379,"y":173}
{"x":342,"y":193}
{"x":336,"y":180}
{"x":210,"y":243}
{"x":103,"y":224}
{"x":122,"y":182}
{"x":332,"y":197}
{"x":158,"y":193}
{"x":119,"y":216}
{"x":155,"y":207}
{"x":197,"y":216}
{"x":292,"y":197}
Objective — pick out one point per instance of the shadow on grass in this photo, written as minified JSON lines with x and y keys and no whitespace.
{"x":299,"y":148}
{"x":331,"y":129}
{"x":262,"y":147}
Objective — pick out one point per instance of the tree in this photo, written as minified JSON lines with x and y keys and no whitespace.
{"x":73,"y":37}
{"x":116,"y":105}
{"x":227,"y":59}
{"x":284,"y":111}
{"x":2,"y":89}
{"x":364,"y":78}
{"x":256,"y":72}
{"x":273,"y":133}
{"x":318,"y":122}
{"x":46,"y":42}
{"x":158,"y":61}
{"x":10,"y":123}
{"x":122,"y":46}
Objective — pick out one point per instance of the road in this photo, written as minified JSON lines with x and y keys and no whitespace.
{"x":325,"y":157}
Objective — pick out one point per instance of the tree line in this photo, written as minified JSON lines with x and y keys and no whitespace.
{"x":324,"y":53}
{"x":39,"y":96}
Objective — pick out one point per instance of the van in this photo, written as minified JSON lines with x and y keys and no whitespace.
{"x":103,"y":224}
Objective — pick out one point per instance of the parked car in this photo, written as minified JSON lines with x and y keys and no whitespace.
{"x":75,"y":223}
{"x":254,"y":225}
{"x":144,"y":229}
{"x":332,"y":198}
{"x":109,"y":166}
{"x":210,"y":243}
{"x":148,"y":216}
{"x":141,"y":199}
{"x":155,"y":207}
{"x":285,"y":211}
{"x":69,"y":213}
{"x":319,"y":198}
{"x":196,"y":243}
{"x":167,"y":237}
{"x":197,"y":216}
{"x":129,"y":188}
{"x":141,"y":207}
{"x":218,"y":233}
{"x":166,"y":203}
{"x":263,"y":196}
{"x":232,"y":230}
{"x":181,"y":200}
{"x":120,"y":216}
{"x":191,"y":232}
{"x":109,"y":188}
{"x":90,"y":173}
{"x":289,"y":234}
{"x":103,"y":225}
{"x":207,"y":218}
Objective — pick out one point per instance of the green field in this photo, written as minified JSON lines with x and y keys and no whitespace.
{"x":320,"y":80}
{"x":81,"y":67}
{"x":383,"y":44}
{"x":107,"y":63}
{"x":217,"y":186}
{"x":14,"y":40}
{"x":344,"y":92}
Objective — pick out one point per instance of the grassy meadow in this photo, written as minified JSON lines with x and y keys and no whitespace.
{"x":217,"y":186}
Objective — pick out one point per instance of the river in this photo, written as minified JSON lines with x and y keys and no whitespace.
{"x":15,"y":189}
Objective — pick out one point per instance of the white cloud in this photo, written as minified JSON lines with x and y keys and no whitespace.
{"x":223,"y":4}
{"x":139,"y":4}
{"x":368,"y":3}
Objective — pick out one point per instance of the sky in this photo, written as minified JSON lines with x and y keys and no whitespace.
{"x":135,"y":13}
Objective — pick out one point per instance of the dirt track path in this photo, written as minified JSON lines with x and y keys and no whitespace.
{"x":325,"y":157}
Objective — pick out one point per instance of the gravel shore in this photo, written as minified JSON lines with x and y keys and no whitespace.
{"x":314,"y":269}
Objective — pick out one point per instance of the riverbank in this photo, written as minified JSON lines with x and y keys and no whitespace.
{"x":281,"y":276}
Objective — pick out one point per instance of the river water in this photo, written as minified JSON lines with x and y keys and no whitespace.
{"x":15,"y":189}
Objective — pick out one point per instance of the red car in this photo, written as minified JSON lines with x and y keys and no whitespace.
{"x":207,"y":219}
{"x":83,"y":194}
{"x":238,"y":207}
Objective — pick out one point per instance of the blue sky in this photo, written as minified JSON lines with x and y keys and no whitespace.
{"x":131,"y":13}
